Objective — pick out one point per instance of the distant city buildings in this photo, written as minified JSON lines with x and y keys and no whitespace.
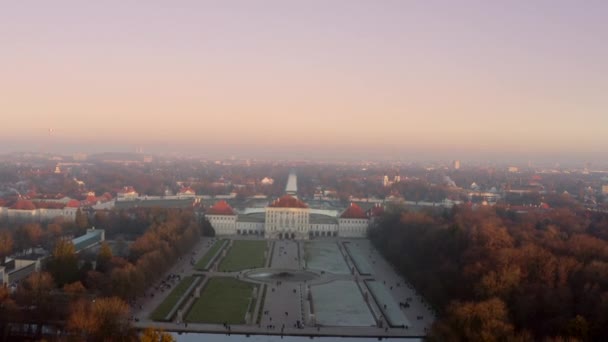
{"x":127,"y":193}
{"x":386,"y":182}
{"x":456,"y":164}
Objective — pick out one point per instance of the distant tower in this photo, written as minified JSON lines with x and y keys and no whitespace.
{"x":397,"y":179}
{"x":456,"y":164}
{"x":385,"y":181}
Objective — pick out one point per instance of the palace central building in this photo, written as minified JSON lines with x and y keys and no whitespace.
{"x":289,"y":218}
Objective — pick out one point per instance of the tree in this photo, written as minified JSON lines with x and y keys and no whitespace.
{"x":34,"y":293}
{"x":82,"y":220}
{"x":480,"y":321}
{"x":155,"y":335}
{"x":74,"y":288}
{"x":64,"y":263}
{"x":7,"y":309}
{"x":103,"y":319}
{"x":104,"y":257}
{"x":578,"y":327}
{"x":6,"y":245}
{"x":34,"y":234}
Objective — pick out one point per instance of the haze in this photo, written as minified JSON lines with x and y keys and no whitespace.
{"x":330,"y":77}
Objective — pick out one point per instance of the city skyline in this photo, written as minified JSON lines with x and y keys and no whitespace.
{"x":414,"y":79}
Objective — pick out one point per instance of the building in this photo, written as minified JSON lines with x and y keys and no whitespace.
{"x":267,"y":181}
{"x":385,"y":181}
{"x":288,"y":218}
{"x":292,"y":184}
{"x":186,"y":192}
{"x":605,"y":189}
{"x":93,"y":237}
{"x":126,"y":193}
{"x":222,"y":218}
{"x":24,"y":210}
{"x":456,"y":164}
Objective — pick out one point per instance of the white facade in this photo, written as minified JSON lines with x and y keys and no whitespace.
{"x":37,"y":215}
{"x":323,"y":229}
{"x":249,"y":228}
{"x":352,"y":227}
{"x":223,"y":224}
{"x":287,"y":222}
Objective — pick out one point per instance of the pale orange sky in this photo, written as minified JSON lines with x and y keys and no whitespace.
{"x":472,"y":75}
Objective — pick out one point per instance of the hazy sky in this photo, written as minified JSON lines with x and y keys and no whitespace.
{"x":433,"y":76}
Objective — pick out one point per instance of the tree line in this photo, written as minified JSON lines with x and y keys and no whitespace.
{"x":495,"y":275}
{"x":88,"y":298}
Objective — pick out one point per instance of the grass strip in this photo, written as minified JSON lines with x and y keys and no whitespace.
{"x":160,"y":313}
{"x":203,"y":263}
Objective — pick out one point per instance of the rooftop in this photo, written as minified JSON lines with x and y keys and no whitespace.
{"x":221,"y":208}
{"x":353,"y":212}
{"x":288,"y":201}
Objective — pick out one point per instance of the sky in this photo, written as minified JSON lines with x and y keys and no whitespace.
{"x":358,"y":78}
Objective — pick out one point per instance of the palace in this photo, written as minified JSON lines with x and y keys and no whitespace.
{"x":289,"y":218}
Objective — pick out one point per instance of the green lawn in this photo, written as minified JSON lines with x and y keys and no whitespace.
{"x":222,"y":300}
{"x":244,"y":254}
{"x":201,"y":265}
{"x":167,"y":305}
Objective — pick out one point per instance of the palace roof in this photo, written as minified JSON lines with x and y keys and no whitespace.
{"x":23,"y":204}
{"x":376,"y":210}
{"x":221,"y":208}
{"x":353,"y":212}
{"x":287,"y":201}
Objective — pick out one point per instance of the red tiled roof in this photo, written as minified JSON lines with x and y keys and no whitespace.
{"x":288,"y":202}
{"x":353,"y":212}
{"x":23,"y":205}
{"x":221,"y":208}
{"x":376,"y":210}
{"x":73,"y":204}
{"x":49,"y":205}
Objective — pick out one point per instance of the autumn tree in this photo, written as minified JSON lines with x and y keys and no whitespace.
{"x":104,"y":257}
{"x":155,"y":335}
{"x":6,"y":245}
{"x":478,"y":321}
{"x":8,"y":308}
{"x":82,"y":220}
{"x":103,"y":319}
{"x":34,"y":293}
{"x":64,"y":263}
{"x":28,"y":236}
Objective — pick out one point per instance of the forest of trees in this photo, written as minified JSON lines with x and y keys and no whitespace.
{"x":495,"y":275}
{"x":92,"y":301}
